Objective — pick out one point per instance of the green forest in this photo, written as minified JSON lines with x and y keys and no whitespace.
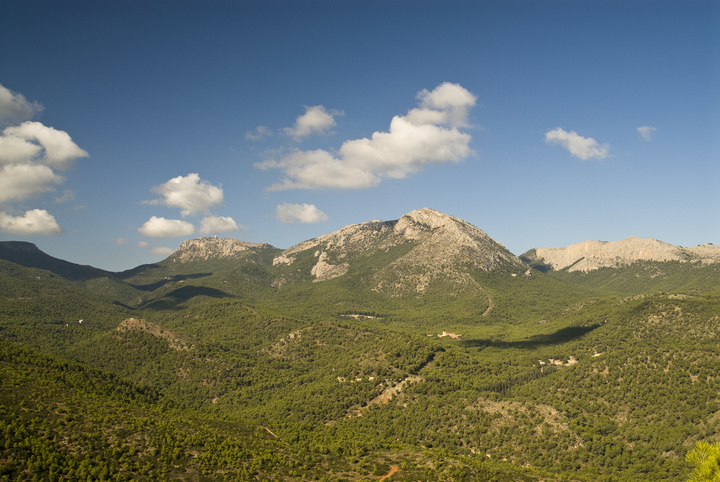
{"x":210,"y":371}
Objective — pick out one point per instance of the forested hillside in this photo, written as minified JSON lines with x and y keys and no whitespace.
{"x":211,"y":369}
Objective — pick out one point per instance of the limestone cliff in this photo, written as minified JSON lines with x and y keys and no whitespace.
{"x":203,"y":249}
{"x":591,"y":255}
{"x":439,"y":246}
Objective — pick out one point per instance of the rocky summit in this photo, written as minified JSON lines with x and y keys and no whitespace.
{"x":203,"y":249}
{"x":438,"y":246}
{"x":592,"y":255}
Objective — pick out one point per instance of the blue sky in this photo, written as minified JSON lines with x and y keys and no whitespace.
{"x":127,"y":127}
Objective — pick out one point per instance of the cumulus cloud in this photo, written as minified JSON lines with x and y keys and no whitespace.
{"x":218,"y":224}
{"x":22,"y":181}
{"x":35,"y":221}
{"x":159,"y":227}
{"x":14,"y":107}
{"x":447,"y":104}
{"x":161,"y":250}
{"x":189,"y":193}
{"x":15,"y":150}
{"x":302,"y":213}
{"x":260,"y":132}
{"x":30,"y":153}
{"x":581,"y":147}
{"x":319,"y":169}
{"x":428,"y":134}
{"x":646,"y":132}
{"x":59,"y":148}
{"x":315,"y":120}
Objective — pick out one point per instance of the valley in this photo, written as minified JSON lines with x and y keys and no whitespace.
{"x":415,"y":349}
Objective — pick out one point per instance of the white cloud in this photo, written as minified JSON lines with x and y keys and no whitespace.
{"x":189,"y":193}
{"x":319,"y":169}
{"x":35,"y":221}
{"x":163,"y":251}
{"x":303,"y":213}
{"x":29,"y":154}
{"x":121,"y":241}
{"x":60,"y":150}
{"x":218,"y":224}
{"x":315,"y":120}
{"x":260,"y":132}
{"x":157,"y":227}
{"x":14,"y":150}
{"x":426,"y":135}
{"x":406,"y":148}
{"x":451,"y":101}
{"x":646,"y":132}
{"x":581,"y":147}
{"x":14,"y":107}
{"x":21,"y":181}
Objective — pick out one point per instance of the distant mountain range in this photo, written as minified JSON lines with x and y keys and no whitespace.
{"x":428,"y":245}
{"x":592,"y":255}
{"x":434,"y":241}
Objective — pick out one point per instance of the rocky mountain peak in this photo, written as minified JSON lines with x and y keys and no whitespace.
{"x":453,"y":231}
{"x":446,"y":237}
{"x":441,"y":246}
{"x":592,"y":255}
{"x":203,"y":249}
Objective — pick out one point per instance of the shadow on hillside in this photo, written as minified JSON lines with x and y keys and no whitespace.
{"x":176,"y":297}
{"x":563,"y":335}
{"x":170,"y":279}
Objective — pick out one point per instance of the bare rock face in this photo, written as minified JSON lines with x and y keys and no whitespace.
{"x":141,"y":325}
{"x":324,"y":270}
{"x":446,"y":238}
{"x":591,"y":255}
{"x":445,"y":247}
{"x":439,"y":245}
{"x":203,"y":249}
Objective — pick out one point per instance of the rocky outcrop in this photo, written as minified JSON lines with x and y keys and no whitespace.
{"x":203,"y":249}
{"x":592,"y":255}
{"x":445,"y":238}
{"x":144,"y":326}
{"x":324,"y":270}
{"x":439,"y":245}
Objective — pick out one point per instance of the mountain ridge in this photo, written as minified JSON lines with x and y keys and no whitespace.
{"x":432,"y":239}
{"x":435,"y":240}
{"x":592,"y":255}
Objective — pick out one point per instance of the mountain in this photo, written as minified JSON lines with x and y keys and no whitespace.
{"x":99,"y":282}
{"x":413,"y":349}
{"x":30,"y":256}
{"x":427,"y":245}
{"x":372,"y":266}
{"x":204,"y":249}
{"x":369,"y":267}
{"x":592,"y":255}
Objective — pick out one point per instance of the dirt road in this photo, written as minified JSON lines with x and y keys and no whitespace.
{"x":393,"y":469}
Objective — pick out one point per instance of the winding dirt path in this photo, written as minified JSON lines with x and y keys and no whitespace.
{"x":491,"y":301}
{"x":393,"y":469}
